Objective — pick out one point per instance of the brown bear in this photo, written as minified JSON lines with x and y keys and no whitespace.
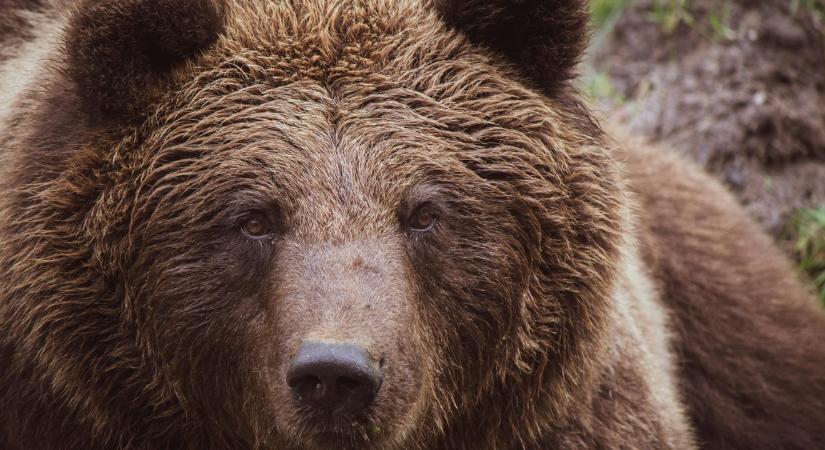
{"x":367,"y":224}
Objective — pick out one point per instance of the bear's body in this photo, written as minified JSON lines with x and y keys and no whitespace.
{"x":190,"y":191}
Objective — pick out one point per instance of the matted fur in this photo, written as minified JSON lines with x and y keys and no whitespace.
{"x":549,"y":308}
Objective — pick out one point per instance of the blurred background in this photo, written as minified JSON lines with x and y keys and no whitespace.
{"x":736,"y":85}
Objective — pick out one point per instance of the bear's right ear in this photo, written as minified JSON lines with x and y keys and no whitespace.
{"x":120,"y":51}
{"x":543,"y":38}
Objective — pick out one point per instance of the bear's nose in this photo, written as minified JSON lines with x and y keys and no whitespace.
{"x":333,"y":377}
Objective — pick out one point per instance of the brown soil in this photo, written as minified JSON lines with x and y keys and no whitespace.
{"x":749,"y":106}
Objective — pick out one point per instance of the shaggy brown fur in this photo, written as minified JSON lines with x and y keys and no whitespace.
{"x":560,"y":301}
{"x":13,"y":23}
{"x":749,"y":338}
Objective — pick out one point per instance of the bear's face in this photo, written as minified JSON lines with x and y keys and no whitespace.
{"x":353,"y":177}
{"x":343,"y":202}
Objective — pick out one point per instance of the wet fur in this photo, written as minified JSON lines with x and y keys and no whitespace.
{"x":577,"y":295}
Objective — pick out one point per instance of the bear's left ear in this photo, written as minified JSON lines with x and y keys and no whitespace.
{"x":543,"y":38}
{"x":119,"y":52}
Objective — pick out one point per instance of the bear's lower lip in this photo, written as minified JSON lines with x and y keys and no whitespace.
{"x":341,"y":431}
{"x":356,"y":438}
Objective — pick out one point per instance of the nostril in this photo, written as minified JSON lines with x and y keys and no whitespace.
{"x":334,"y":377}
{"x":347,"y":384}
{"x":308,"y":387}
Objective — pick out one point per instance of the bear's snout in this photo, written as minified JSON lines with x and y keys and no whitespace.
{"x":348,"y":360}
{"x":334,"y":378}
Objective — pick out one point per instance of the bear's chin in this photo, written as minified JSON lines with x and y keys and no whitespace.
{"x":344,"y":436}
{"x":322,"y":431}
{"x":328,"y":440}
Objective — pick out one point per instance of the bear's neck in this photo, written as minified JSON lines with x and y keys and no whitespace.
{"x":633,"y":397}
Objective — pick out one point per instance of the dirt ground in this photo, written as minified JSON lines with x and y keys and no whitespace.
{"x":737,"y":85}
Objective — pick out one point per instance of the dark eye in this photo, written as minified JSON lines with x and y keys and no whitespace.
{"x":423,"y":219}
{"x":256,"y":226}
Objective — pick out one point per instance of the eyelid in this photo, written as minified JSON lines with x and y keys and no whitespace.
{"x":423,"y":206}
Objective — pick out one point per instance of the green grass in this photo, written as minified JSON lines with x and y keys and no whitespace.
{"x":719,"y":21}
{"x":606,"y":12}
{"x":816,"y":7}
{"x":669,"y":14}
{"x":596,"y":85}
{"x":807,"y":232}
{"x":672,"y":13}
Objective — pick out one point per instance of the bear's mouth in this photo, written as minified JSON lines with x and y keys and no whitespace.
{"x":342,"y":431}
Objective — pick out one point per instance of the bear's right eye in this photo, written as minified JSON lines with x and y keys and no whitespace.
{"x":256,"y":226}
{"x":423,"y":219}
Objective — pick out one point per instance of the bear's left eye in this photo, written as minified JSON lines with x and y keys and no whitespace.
{"x":256,"y":226}
{"x":423,"y":219}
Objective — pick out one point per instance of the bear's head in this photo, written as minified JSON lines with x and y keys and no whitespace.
{"x":311,"y":224}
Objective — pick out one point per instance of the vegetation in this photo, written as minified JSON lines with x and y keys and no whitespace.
{"x":672,"y":13}
{"x":606,"y":11}
{"x":597,"y":86}
{"x":814,"y":7}
{"x":807,"y":232}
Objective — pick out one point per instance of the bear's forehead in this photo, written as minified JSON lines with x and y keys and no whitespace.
{"x":359,"y":49}
{"x":345,"y":103}
{"x":326,"y":157}
{"x":321,"y":39}
{"x":374,"y":71}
